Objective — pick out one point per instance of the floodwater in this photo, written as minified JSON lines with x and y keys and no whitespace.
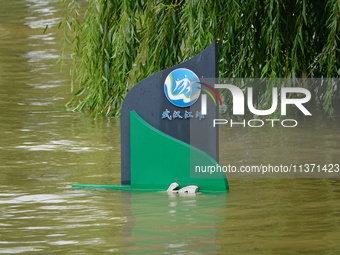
{"x":44,"y":149}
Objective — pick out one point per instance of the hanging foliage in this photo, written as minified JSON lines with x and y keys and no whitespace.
{"x":117,"y":43}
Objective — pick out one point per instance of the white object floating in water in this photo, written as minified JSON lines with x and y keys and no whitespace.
{"x":191,"y":189}
{"x":172,"y":187}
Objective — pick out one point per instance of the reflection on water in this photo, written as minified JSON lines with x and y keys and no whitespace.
{"x":172,"y":224}
{"x":44,"y":149}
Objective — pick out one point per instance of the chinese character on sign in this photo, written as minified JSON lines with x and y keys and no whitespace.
{"x":177,"y":114}
{"x":199,"y":115}
{"x":188,"y":115}
{"x":166,"y":114}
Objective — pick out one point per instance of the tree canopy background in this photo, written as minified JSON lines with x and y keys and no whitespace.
{"x":116,"y":43}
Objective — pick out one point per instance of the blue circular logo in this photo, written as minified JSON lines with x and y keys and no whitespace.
{"x":182,"y":87}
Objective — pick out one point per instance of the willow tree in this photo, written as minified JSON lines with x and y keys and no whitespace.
{"x":117,"y":43}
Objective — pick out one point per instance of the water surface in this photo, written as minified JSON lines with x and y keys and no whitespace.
{"x":44,"y":149}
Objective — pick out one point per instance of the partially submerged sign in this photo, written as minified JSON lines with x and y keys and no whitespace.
{"x":165,"y":134}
